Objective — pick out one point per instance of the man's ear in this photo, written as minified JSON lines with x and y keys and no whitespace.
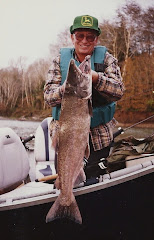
{"x":96,"y":40}
{"x":72,"y":37}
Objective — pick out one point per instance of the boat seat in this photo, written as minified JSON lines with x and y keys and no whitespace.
{"x":14,"y":162}
{"x":44,"y":154}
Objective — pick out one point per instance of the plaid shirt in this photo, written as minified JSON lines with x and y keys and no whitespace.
{"x":109,"y":86}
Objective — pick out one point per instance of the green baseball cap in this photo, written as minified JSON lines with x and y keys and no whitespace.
{"x":85,"y":21}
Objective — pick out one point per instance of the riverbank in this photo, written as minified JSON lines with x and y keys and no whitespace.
{"x":128,"y":118}
{"x":125,"y":118}
{"x":122,"y":125}
{"x":36,"y":115}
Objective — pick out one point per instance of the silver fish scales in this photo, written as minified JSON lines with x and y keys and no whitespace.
{"x":73,"y":139}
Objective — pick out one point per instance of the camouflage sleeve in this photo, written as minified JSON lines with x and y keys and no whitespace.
{"x":52,"y":88}
{"x":110,"y":83}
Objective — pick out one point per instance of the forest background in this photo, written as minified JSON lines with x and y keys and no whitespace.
{"x":129,"y":37}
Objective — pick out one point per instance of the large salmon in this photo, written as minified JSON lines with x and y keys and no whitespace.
{"x":73,"y":139}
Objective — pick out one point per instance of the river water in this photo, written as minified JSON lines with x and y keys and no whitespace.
{"x":22,"y":128}
{"x":25,"y":128}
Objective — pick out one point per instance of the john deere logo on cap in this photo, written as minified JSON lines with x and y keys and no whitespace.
{"x":87,"y":21}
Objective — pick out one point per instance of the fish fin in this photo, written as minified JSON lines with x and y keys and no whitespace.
{"x":87,"y":151}
{"x":58,"y":211}
{"x":57,"y":183}
{"x":80,"y":178}
{"x":54,"y":130}
{"x":90,"y":107}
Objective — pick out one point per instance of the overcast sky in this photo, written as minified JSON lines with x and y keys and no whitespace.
{"x":27,"y":27}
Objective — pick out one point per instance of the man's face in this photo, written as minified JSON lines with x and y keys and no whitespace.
{"x":84,"y":41}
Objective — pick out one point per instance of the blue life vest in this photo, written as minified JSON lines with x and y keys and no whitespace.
{"x":103,"y":112}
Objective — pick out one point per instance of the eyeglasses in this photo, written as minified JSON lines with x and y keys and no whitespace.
{"x":81,"y":36}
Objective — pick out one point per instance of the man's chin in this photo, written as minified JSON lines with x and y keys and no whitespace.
{"x":85,"y":51}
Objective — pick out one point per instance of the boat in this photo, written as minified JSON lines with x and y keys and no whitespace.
{"x":116,"y":205}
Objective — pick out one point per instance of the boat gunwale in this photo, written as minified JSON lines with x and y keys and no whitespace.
{"x":38,"y":200}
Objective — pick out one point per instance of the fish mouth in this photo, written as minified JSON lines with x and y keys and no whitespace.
{"x":83,"y":76}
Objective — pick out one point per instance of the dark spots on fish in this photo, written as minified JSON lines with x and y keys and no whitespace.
{"x":87,"y":69}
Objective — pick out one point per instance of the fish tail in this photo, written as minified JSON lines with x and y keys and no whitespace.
{"x":80,"y":178}
{"x":58,"y":211}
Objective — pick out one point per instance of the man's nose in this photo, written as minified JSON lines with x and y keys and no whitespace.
{"x":84,"y":40}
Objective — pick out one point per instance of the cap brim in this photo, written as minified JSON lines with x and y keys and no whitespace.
{"x":72,"y":30}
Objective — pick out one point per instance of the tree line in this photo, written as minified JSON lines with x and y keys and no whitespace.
{"x":129,"y":37}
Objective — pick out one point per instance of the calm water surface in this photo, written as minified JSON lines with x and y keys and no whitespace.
{"x":22,"y":128}
{"x":25,"y":128}
{"x":137,"y":132}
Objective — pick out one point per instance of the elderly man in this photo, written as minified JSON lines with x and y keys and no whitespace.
{"x":106,"y":81}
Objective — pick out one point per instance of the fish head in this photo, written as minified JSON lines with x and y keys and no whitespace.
{"x":79,"y":79}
